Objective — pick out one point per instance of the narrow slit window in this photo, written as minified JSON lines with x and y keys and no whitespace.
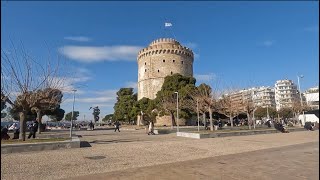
{"x":171,"y":73}
{"x":181,"y":62}
{"x":145,"y":63}
{"x":163,"y":60}
{"x":145,"y":70}
{"x":158,"y":70}
{"x":174,"y":60}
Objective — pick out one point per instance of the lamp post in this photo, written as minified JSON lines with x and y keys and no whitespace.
{"x":74,"y":97}
{"x":198,"y":115}
{"x":301,"y":76}
{"x":177,"y":111}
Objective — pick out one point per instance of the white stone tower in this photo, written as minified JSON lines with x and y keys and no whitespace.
{"x":163,"y":57}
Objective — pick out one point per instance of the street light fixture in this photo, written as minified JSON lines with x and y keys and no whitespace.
{"x":74,"y":97}
{"x":301,"y":76}
{"x":177,"y":111}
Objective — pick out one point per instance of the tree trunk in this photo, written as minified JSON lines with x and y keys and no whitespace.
{"x":39,"y":118}
{"x":249,"y":120}
{"x":22,"y":135}
{"x":173,"y":123}
{"x":204,"y":119}
{"x":231,"y":120}
{"x":210,"y":115}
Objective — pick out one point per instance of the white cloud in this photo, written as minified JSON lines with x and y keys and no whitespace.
{"x":131,"y":84}
{"x":78,"y":38}
{"x":92,"y":100}
{"x":103,"y":105}
{"x":67,"y":84}
{"x":109,"y":92}
{"x":268,"y":43}
{"x":205,"y":77}
{"x":89,"y":54}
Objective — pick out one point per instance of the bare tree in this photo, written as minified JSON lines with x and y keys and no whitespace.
{"x":24,"y":78}
{"x":45,"y":100}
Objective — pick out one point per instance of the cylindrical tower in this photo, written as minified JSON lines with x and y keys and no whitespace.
{"x":163,"y":57}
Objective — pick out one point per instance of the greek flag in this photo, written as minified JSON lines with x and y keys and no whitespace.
{"x":167,"y":24}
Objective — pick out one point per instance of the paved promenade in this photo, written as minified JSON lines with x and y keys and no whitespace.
{"x":112,"y":151}
{"x":293,"y":162}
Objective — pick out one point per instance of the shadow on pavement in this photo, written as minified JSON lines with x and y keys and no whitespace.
{"x":84,"y":144}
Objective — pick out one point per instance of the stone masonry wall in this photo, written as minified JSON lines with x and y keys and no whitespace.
{"x":161,"y":58}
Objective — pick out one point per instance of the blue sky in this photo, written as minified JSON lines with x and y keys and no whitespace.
{"x":238,"y":44}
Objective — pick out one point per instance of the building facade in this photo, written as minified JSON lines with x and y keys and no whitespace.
{"x":163,"y":57}
{"x":312,"y":97}
{"x":264,"y":97}
{"x":286,"y":93}
{"x":257,"y":96}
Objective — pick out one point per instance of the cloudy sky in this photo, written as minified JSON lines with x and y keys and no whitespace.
{"x":238,"y":44}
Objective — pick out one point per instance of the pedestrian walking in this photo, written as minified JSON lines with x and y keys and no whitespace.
{"x":117,"y":126}
{"x":33,"y":129}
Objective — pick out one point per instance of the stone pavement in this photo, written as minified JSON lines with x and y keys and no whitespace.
{"x":293,"y":162}
{"x":112,"y":151}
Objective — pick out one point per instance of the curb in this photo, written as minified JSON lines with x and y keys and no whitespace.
{"x":42,"y":146}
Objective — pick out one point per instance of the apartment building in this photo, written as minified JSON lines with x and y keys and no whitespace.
{"x":258,"y":96}
{"x":263,"y":97}
{"x":312,"y":97}
{"x":286,"y":93}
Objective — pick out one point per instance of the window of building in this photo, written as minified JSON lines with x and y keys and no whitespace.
{"x":163,"y":60}
{"x":145,"y":63}
{"x":181,"y":62}
{"x":145,"y":70}
{"x":171,"y":73}
{"x":158,"y":70}
{"x":174,"y":60}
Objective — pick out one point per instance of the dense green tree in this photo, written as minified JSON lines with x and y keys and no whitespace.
{"x":262,"y":112}
{"x":30,"y":116}
{"x":75,"y":115}
{"x":166,"y":97}
{"x":125,"y":103}
{"x":96,"y":112}
{"x":286,"y":112}
{"x":107,"y":117}
{"x":56,"y":115}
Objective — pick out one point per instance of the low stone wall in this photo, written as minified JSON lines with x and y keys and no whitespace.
{"x":236,"y":133}
{"x":40,"y":146}
{"x":166,"y":120}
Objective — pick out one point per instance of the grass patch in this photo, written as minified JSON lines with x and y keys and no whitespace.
{"x":17,"y":141}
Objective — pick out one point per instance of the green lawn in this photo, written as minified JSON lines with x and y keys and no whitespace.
{"x":16,"y":141}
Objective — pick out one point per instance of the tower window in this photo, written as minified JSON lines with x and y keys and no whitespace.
{"x":163,"y":60}
{"x":181,"y":62}
{"x":174,"y":60}
{"x":158,"y":70}
{"x":145,"y":70}
{"x":145,"y":63}
{"x":171,"y":73}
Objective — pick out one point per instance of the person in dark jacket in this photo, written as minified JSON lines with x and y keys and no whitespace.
{"x":117,"y":126}
{"x":4,"y":134}
{"x":33,"y":129}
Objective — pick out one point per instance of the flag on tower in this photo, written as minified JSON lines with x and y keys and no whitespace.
{"x":167,"y":24}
